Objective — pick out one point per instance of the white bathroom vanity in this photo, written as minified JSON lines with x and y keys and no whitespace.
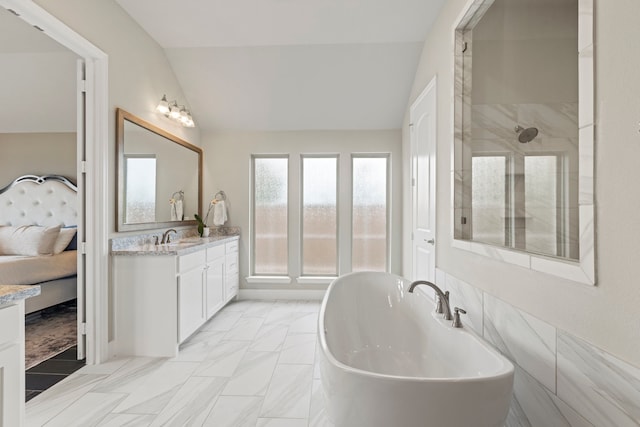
{"x":164,"y":293}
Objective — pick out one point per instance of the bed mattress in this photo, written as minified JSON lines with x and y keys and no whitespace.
{"x":27,"y":270}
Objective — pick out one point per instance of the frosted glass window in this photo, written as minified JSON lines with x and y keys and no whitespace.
{"x":319,"y":216}
{"x":369,"y":214}
{"x":541,"y":204}
{"x":140,"y":195}
{"x":489,"y":177}
{"x":270,"y":216}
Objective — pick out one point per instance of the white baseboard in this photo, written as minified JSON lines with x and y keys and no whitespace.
{"x":284,"y":294}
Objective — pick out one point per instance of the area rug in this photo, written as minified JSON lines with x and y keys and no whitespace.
{"x":49,"y":332}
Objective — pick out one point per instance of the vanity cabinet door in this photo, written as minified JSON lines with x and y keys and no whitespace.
{"x":215,"y":286}
{"x":191,"y":311}
{"x":11,"y":386}
{"x":12,"y":365}
{"x":231,"y":270}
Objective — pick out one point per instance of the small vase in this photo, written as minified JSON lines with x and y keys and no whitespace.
{"x":205,"y":232}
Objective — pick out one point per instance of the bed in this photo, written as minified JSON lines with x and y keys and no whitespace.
{"x":38,"y":224}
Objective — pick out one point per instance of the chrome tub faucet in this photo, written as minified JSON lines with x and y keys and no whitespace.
{"x":443,"y":298}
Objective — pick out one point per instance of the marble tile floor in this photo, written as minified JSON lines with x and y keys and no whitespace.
{"x":253,"y":364}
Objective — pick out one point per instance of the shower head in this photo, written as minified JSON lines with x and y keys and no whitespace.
{"x":526,"y":135}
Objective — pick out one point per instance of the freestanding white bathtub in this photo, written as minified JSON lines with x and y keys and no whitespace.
{"x":387,"y":360}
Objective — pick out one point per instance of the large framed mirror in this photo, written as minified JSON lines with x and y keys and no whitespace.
{"x":523,"y":137}
{"x":159,"y":176}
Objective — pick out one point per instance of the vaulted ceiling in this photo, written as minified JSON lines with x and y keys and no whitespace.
{"x":291,"y":64}
{"x":245,"y":64}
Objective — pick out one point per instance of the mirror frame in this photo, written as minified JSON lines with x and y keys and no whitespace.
{"x":583,"y":270}
{"x":121,"y":116}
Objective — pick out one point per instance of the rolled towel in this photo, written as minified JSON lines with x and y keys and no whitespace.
{"x":219,"y":213}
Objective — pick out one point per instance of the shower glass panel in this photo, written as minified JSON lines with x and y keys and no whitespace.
{"x":489,"y":198}
{"x":270,"y":219}
{"x":319,"y":216}
{"x":369,"y":214}
{"x":542,"y":205}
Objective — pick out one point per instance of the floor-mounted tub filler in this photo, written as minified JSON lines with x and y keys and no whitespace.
{"x":387,"y":359}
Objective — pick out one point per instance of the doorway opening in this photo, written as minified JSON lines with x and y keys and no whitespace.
{"x":91,"y":106}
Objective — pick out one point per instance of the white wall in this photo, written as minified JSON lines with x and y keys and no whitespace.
{"x":38,"y":154}
{"x":38,"y":91}
{"x":228,"y":161}
{"x":139,"y":72}
{"x":605,"y":315}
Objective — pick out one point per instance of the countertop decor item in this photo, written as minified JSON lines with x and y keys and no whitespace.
{"x":202,"y":223}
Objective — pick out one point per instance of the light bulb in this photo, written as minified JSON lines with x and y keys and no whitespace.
{"x":190,"y":122}
{"x":163,"y":106}
{"x":174,"y":112}
{"x":184,"y":116}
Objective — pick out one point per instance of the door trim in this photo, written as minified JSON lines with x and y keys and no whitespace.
{"x":96,"y":170}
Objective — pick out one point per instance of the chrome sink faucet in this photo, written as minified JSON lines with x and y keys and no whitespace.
{"x":443,"y":298}
{"x":166,"y":237}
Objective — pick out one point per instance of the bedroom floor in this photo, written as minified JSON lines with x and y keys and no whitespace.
{"x":44,"y":375}
{"x":50,"y":347}
{"x":254,"y":364}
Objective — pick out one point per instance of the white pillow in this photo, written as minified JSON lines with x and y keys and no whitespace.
{"x":31,"y":240}
{"x":63,"y":240}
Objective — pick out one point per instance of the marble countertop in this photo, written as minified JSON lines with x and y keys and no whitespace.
{"x":13,"y":293}
{"x":180,"y":247}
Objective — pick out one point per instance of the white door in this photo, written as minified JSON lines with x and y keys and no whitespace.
{"x":81,"y":184}
{"x":422,"y":117}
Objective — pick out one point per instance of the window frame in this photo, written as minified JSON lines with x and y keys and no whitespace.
{"x":252,"y":209}
{"x":344,"y":170}
{"x":388,"y":195}
{"x":304,"y":156}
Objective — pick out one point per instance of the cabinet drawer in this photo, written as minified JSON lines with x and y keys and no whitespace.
{"x":10,"y":321}
{"x":215,"y":252}
{"x":231,"y":264}
{"x":191,"y":261}
{"x":232,"y":247}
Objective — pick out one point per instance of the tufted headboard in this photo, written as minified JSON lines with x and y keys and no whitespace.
{"x":39,"y":200}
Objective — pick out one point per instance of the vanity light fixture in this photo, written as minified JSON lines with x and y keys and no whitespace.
{"x":175,"y":112}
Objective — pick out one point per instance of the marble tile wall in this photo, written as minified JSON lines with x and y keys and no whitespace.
{"x":561,"y":380}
